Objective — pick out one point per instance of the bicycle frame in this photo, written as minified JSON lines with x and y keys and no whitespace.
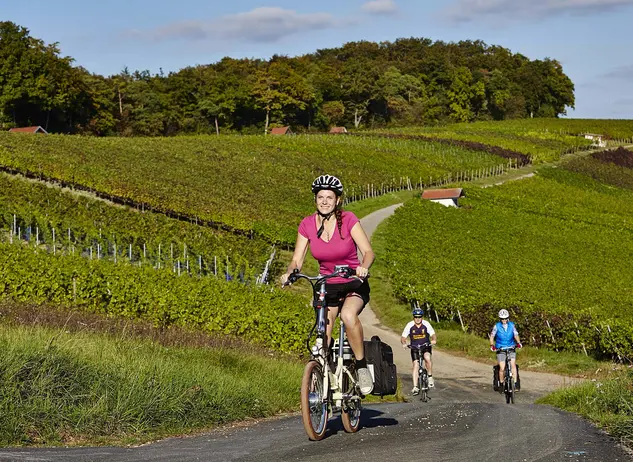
{"x":333,"y":380}
{"x":324,"y":390}
{"x":508,"y":385}
{"x":422,"y":371}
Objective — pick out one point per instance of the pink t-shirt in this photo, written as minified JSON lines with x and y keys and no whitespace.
{"x":339,"y":251}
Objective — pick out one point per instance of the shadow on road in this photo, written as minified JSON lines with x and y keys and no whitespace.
{"x":369,"y":418}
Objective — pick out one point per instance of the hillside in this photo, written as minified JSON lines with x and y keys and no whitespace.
{"x":250,"y":185}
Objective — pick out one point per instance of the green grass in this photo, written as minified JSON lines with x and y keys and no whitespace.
{"x":58,"y":387}
{"x":607,"y":403}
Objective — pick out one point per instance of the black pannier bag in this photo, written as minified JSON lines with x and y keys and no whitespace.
{"x":379,"y":357}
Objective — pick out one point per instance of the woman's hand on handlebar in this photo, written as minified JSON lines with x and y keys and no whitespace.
{"x":286,"y":278}
{"x":362,"y":272}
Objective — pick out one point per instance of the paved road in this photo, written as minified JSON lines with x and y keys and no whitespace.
{"x":464,"y":421}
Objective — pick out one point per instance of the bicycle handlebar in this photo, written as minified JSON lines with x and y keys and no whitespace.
{"x":506,"y":350}
{"x":420,"y":347}
{"x":343,"y":271}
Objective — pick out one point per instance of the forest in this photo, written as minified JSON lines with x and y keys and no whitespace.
{"x":358,"y":85}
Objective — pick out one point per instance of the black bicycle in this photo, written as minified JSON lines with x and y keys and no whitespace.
{"x":508,"y":379}
{"x":326,"y":389}
{"x":423,"y":374}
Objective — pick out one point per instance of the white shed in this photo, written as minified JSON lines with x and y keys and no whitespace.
{"x":597,"y":140}
{"x":447,"y":197}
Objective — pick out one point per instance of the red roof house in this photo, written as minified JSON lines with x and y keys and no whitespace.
{"x":36,"y":129}
{"x":338,"y":130}
{"x":447,"y":197}
{"x":281,"y":131}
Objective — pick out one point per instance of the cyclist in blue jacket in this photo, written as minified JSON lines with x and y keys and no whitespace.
{"x":505,"y":335}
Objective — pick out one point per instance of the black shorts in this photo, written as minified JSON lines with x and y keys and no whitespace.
{"x":415,"y":354}
{"x":336,"y":293}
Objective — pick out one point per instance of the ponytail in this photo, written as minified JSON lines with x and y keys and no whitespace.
{"x":338,"y":213}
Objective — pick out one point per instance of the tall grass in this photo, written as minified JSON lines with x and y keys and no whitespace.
{"x":58,"y":387}
{"x":608,"y":403}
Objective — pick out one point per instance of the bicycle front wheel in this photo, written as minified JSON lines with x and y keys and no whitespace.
{"x":509,"y":390}
{"x":423,"y":383}
{"x":314,"y":409}
{"x":350,"y":414}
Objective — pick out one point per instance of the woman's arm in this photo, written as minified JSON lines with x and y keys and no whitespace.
{"x":362,"y":242}
{"x":299,"y":255}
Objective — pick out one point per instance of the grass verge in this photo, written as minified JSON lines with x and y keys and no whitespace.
{"x":606,"y":403}
{"x":70,"y":378}
{"x":73,"y":388}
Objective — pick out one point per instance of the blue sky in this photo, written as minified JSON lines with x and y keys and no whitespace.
{"x":591,"y":38}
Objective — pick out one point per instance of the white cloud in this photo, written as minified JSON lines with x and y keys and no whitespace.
{"x":266,"y":24}
{"x":470,"y":10}
{"x":380,"y":7}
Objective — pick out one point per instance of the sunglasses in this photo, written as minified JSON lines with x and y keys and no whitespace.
{"x":417,"y":317}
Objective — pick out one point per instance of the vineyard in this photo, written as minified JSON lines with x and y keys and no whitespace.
{"x":555,"y":250}
{"x":614,"y":167}
{"x":223,"y":201}
{"x":278,"y":320}
{"x":250,"y":185}
{"x":69,"y":223}
{"x":544,"y":140}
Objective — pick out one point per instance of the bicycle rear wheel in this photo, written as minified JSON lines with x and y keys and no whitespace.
{"x":314,"y":409}
{"x":350,"y":413}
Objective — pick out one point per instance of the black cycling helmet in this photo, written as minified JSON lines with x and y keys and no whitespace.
{"x":327,"y":182}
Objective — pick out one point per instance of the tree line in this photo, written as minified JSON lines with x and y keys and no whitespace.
{"x":360,"y":84}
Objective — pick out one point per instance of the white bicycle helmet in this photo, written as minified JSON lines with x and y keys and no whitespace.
{"x":503,"y":314}
{"x":327,"y":182}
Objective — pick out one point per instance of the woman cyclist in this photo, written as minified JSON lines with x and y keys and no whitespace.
{"x":335,"y":237}
{"x":505,"y":335}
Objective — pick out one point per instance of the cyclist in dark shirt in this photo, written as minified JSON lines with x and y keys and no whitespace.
{"x":420,"y":334}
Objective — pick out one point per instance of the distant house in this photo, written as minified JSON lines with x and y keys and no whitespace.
{"x":338,"y":130}
{"x":447,"y":197}
{"x":281,"y":131}
{"x":597,"y":140}
{"x":36,"y":129}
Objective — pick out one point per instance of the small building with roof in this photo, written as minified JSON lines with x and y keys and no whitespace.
{"x":281,"y":131}
{"x":597,"y":139}
{"x":34,"y":129}
{"x":338,"y":130}
{"x":447,"y":197}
